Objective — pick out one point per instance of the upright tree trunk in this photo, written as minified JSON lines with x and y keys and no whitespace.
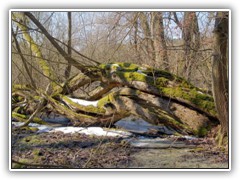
{"x":147,"y":35}
{"x":159,"y":41}
{"x":219,"y":70}
{"x":191,"y":37}
{"x":135,"y":35}
{"x":68,"y":68}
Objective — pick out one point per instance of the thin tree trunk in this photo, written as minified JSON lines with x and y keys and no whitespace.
{"x":68,"y":68}
{"x":135,"y":35}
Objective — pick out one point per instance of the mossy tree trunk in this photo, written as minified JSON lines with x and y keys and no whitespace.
{"x":157,"y":96}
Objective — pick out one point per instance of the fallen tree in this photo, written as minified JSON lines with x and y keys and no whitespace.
{"x":124,"y":89}
{"x":114,"y":91}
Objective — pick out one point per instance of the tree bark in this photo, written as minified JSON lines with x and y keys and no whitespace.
{"x":147,"y":35}
{"x":68,"y":68}
{"x":220,"y":70}
{"x":159,"y":41}
{"x":191,"y":37}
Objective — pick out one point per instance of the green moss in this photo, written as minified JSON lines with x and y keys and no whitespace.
{"x":37,"y":155}
{"x":36,"y":152}
{"x":203,"y":101}
{"x":24,"y":118}
{"x":159,"y":73}
{"x":17,"y":166}
{"x":123,"y":66}
{"x":32,"y":140}
{"x":167,"y":83}
{"x":75,"y":79}
{"x":161,"y":81}
{"x":29,"y":129}
{"x":89,"y":108}
{"x":134,"y":76}
{"x":128,"y":66}
{"x":22,"y":166}
{"x":110,"y":98}
{"x":18,"y":109}
{"x":20,"y":87}
{"x":202,"y":132}
{"x":128,"y":72}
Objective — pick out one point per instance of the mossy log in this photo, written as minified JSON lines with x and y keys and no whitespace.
{"x":157,"y":96}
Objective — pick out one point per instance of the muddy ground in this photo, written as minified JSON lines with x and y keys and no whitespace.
{"x":59,"y":150}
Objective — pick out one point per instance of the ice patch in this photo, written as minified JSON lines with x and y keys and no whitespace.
{"x":84,"y":102}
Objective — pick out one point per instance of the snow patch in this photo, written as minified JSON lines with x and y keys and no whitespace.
{"x":84,"y":102}
{"x":189,"y":137}
{"x":41,"y":128}
{"x":98,"y":131}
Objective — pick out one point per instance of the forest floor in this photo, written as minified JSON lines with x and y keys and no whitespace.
{"x":59,"y":150}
